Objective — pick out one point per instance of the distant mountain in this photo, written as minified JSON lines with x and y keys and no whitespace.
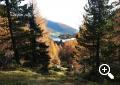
{"x":58,"y":29}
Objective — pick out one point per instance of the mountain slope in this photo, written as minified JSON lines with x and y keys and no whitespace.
{"x":58,"y":28}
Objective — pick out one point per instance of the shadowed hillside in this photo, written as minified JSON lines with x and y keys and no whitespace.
{"x":58,"y":29}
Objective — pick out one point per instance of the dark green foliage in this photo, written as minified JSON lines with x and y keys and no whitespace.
{"x":2,"y":12}
{"x":98,"y":24}
{"x":40,"y":55}
{"x":11,"y":11}
{"x":24,"y":44}
{"x":8,"y":7}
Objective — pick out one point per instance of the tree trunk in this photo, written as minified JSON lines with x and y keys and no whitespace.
{"x":32,"y":40}
{"x":97,"y":53}
{"x":11,"y":33}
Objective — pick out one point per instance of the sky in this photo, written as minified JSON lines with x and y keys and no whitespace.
{"x":69,"y":12}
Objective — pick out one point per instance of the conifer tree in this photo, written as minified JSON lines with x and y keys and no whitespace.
{"x":96,"y":22}
{"x":15,"y":14}
{"x":40,"y":56}
{"x":8,"y":6}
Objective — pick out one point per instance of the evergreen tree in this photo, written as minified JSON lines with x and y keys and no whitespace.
{"x":96,"y":22}
{"x":11,"y":32}
{"x":40,"y":55}
{"x":15,"y":14}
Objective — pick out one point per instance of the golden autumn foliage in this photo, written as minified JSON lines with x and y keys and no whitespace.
{"x":53,"y":47}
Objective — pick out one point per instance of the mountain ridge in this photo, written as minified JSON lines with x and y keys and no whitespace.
{"x":60,"y":27}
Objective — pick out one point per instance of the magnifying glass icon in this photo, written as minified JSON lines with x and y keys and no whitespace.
{"x":104,"y":69}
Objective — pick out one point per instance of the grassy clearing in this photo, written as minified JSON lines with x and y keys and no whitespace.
{"x":28,"y":77}
{"x":23,"y":76}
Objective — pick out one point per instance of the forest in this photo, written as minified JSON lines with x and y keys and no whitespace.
{"x":28,"y":55}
